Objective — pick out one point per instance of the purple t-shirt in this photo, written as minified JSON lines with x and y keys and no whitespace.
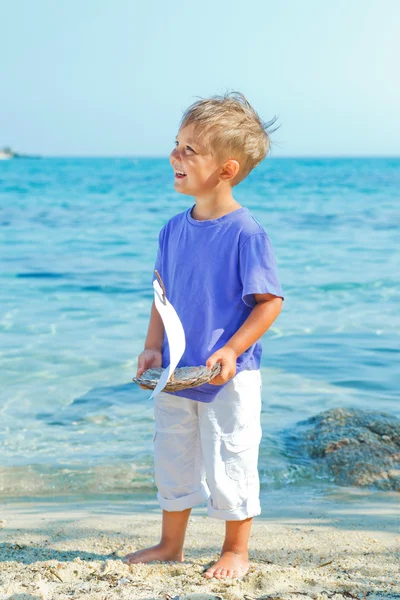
{"x":211,"y":269}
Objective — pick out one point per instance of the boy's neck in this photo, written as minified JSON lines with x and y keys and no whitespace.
{"x":213,"y":207}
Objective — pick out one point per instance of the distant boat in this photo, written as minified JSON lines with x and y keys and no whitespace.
{"x":7,"y":153}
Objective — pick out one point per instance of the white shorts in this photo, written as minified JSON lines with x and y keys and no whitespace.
{"x":209,"y":451}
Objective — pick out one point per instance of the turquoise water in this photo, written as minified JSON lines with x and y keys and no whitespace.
{"x":77,"y":246}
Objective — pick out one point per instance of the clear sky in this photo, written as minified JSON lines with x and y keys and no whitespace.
{"x":112,"y":77}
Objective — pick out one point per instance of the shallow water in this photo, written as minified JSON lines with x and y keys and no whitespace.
{"x":77,"y":246}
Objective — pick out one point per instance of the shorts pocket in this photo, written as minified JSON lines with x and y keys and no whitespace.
{"x":240,"y":453}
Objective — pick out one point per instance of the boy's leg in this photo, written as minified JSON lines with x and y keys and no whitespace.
{"x":234,"y":559}
{"x":178,"y":474}
{"x":172,"y":537}
{"x":230,"y":435}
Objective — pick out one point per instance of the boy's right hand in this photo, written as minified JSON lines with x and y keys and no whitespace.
{"x":148,"y":359}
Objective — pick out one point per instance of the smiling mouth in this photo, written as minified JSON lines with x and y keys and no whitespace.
{"x":180,"y":174}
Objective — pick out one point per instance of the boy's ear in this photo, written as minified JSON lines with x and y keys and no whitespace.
{"x":229,"y":169}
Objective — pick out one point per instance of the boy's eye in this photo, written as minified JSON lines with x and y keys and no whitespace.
{"x":187,"y":147}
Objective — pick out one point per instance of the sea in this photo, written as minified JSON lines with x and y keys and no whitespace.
{"x":78,"y":240}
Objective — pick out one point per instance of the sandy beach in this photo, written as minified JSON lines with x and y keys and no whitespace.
{"x":344,"y":545}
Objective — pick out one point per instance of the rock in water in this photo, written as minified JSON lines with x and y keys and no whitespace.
{"x":357,"y":447}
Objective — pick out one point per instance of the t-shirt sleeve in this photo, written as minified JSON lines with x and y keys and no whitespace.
{"x":258,"y":270}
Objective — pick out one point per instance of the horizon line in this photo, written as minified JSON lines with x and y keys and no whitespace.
{"x":165,"y":157}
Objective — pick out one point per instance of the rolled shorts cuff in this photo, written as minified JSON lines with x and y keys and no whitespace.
{"x":182,"y":503}
{"x":248,"y":511}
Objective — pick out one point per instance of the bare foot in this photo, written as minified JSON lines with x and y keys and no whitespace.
{"x":228,"y":566}
{"x":154,"y":553}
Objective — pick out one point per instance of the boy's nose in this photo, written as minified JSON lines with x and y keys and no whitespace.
{"x":175,"y":157}
{"x":175,"y":153}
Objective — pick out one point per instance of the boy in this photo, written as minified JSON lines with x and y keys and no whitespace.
{"x":219,"y":271}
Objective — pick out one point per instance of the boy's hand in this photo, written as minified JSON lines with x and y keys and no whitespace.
{"x":227,"y":357}
{"x":148,"y":359}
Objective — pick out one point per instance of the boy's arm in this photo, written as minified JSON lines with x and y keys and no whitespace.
{"x":152,"y":353}
{"x":260,"y":319}
{"x":155,"y":332}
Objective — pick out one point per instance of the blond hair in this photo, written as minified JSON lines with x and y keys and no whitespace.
{"x":229,"y":127}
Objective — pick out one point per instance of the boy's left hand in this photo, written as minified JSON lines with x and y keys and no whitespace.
{"x":227,"y":357}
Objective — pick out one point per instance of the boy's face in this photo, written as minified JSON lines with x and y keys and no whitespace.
{"x":196,"y":169}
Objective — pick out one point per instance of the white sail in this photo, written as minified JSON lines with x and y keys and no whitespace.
{"x":174,"y":332}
